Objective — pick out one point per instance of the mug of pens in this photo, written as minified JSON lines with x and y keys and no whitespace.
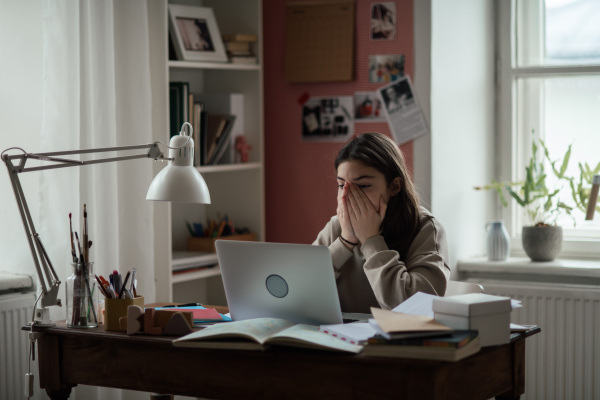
{"x":82,"y":297}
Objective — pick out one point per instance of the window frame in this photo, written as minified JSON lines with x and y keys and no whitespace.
{"x":510,"y":146}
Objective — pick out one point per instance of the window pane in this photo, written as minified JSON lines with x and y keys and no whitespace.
{"x":564,"y":111}
{"x":558,"y":32}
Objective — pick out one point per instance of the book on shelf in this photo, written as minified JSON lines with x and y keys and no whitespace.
{"x":261,"y":333}
{"x":240,"y":59}
{"x":240,"y":37}
{"x":235,"y":46}
{"x":184,"y":260}
{"x":440,"y":353}
{"x":222,"y":142}
{"x":226,"y":104}
{"x":216,"y":126}
{"x":178,"y":106}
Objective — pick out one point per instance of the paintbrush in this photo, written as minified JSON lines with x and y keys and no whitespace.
{"x":73,"y":252}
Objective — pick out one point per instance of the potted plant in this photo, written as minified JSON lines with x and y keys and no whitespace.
{"x":542,"y":240}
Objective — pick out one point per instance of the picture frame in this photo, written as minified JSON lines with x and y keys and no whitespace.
{"x":195,"y":34}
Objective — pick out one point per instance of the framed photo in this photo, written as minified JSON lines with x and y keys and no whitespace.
{"x":195,"y":34}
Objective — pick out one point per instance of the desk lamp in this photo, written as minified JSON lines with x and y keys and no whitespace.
{"x":593,"y":198}
{"x":178,"y":182}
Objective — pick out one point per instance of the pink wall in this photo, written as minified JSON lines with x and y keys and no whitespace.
{"x":299,"y":177}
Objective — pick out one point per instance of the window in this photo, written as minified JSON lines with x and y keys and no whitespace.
{"x":549,"y":87}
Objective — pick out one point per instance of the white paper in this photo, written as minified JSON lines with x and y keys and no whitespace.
{"x":403,"y":111}
{"x":418,"y":304}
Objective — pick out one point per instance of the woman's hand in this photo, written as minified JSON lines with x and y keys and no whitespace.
{"x":343,"y":217}
{"x":365,"y":219}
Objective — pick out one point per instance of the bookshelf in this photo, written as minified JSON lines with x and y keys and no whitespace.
{"x":237,"y":189}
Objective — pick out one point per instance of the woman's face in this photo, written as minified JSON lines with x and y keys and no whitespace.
{"x":368,"y":179}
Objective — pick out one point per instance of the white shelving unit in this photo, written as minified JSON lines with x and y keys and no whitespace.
{"x":237,"y":190}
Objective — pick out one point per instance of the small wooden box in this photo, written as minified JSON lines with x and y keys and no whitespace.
{"x":208,"y":244}
{"x":117,"y":308}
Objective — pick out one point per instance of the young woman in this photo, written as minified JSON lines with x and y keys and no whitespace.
{"x":384,"y":246}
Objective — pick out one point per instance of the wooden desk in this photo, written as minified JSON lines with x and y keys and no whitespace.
{"x":68,"y":357}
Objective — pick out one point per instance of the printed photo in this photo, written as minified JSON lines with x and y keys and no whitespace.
{"x":386,"y":68}
{"x":327,"y":119}
{"x":195,"y":34}
{"x":402,"y":110}
{"x":368,"y":107}
{"x":383,"y":21}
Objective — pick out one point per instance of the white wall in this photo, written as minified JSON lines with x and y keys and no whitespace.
{"x":20,"y":117}
{"x":461,"y":102}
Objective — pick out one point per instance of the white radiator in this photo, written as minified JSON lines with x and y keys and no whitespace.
{"x":563,"y":360}
{"x":15,"y":311}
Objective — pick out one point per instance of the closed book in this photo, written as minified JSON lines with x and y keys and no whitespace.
{"x":438,"y":353}
{"x":243,"y":59}
{"x":197,"y":122}
{"x":260,"y":333}
{"x":223,"y":141}
{"x":215,"y":125}
{"x":456,"y":340}
{"x":240,"y":37}
{"x":238,"y":46}
{"x":178,"y":106}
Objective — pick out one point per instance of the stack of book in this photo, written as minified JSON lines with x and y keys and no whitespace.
{"x":239,"y":48}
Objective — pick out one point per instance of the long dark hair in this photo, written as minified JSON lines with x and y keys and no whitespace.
{"x":401,"y":221}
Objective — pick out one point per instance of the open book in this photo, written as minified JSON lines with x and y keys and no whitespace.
{"x":259,"y":333}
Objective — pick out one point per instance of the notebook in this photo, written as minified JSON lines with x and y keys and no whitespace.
{"x":289,"y":281}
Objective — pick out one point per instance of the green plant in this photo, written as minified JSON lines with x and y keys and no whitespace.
{"x":580,"y":190}
{"x":541,"y":202}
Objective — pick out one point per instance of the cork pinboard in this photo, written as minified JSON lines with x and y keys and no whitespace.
{"x":319,"y":41}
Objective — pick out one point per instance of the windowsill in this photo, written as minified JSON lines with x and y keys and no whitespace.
{"x":586,"y":272}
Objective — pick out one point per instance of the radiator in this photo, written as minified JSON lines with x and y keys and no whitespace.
{"x":15,"y":311}
{"x":562,"y":362}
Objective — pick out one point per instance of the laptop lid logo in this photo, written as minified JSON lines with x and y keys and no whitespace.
{"x":277,"y":286}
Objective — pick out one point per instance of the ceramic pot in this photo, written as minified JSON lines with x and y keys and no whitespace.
{"x":498,"y":242}
{"x":542,"y":243}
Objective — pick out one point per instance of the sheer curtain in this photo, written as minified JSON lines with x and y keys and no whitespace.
{"x":97,"y":91}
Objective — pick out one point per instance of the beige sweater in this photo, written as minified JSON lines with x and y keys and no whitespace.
{"x":371,"y":275}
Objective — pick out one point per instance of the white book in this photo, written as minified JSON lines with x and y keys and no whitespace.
{"x":353,"y":333}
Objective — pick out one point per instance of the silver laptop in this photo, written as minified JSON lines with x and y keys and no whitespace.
{"x":289,"y":281}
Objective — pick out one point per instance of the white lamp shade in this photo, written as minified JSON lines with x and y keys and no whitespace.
{"x":179,"y":184}
{"x":180,"y":181}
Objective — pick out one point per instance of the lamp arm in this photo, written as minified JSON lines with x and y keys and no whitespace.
{"x":45,"y":271}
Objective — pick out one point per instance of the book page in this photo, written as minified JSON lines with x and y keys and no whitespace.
{"x":303,"y":335}
{"x":256,"y":329}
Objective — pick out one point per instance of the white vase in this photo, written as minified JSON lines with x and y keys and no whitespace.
{"x":498,"y":242}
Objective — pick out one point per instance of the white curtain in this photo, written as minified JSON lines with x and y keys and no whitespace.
{"x":97,"y":93}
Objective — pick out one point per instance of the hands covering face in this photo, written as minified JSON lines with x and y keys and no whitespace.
{"x":359,"y":218}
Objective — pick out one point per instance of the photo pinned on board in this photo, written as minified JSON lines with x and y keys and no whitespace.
{"x":368,"y":107}
{"x":386,"y":68}
{"x":403,"y":112}
{"x":383,"y":21}
{"x":327,"y":119}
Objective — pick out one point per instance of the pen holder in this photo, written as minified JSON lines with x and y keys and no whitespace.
{"x":114,"y":309}
{"x":82,"y":297}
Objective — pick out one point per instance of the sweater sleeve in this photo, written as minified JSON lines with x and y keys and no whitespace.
{"x":330,"y":237}
{"x":426,"y":268}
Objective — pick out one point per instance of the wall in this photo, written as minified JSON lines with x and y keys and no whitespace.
{"x":300,"y":180}
{"x":462,"y":120}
